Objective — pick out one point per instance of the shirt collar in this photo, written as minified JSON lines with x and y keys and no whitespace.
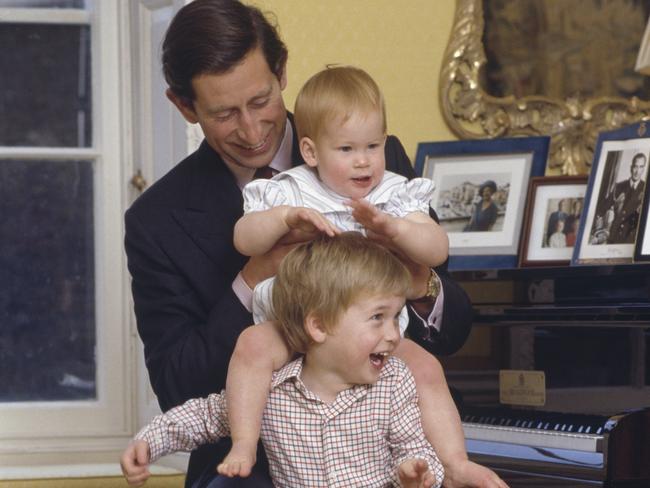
{"x":282,"y":159}
{"x":289,"y":371}
{"x":292,"y":370}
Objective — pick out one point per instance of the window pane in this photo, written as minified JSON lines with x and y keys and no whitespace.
{"x":45,"y":97}
{"x":47,"y":304}
{"x":44,"y":3}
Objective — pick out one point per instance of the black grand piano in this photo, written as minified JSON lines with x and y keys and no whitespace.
{"x":588,"y":329}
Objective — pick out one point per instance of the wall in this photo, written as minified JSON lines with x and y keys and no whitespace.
{"x":401,"y":44}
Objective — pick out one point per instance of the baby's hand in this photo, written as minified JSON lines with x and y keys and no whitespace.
{"x":414,"y":473}
{"x":375,"y":221}
{"x":307,"y":220}
{"x":135,"y":463}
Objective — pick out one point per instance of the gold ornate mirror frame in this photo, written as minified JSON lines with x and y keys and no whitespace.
{"x":471,"y":113}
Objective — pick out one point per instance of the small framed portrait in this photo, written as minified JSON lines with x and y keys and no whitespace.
{"x":642,"y":245}
{"x":480,"y":194}
{"x":614,"y":197}
{"x":552,"y":220}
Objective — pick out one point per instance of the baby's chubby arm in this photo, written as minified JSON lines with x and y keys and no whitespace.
{"x":259,"y":351}
{"x":416,"y":235}
{"x":406,"y":437}
{"x":257,"y":232}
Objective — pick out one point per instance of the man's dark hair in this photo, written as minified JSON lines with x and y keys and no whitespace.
{"x":639,"y":156}
{"x":214,"y":36}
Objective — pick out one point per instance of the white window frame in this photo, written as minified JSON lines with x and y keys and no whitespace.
{"x":88,"y":431}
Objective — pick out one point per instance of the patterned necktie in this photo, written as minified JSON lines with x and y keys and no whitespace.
{"x":265,"y":172}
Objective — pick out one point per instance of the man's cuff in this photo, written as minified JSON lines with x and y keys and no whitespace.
{"x":434,"y":320}
{"x":243,"y":292}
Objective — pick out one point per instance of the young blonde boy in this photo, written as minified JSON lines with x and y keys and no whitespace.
{"x":344,"y":413}
{"x":341,"y":124}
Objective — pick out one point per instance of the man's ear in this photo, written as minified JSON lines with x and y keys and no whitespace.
{"x":315,"y":330}
{"x":283,"y":77}
{"x":183,"y":105}
{"x":308,"y":151}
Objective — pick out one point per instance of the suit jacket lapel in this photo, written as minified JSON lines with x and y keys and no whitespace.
{"x":214,"y":204}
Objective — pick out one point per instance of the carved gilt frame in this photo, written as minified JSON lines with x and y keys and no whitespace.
{"x":471,"y":113}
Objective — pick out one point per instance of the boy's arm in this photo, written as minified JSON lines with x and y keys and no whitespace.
{"x":417,"y":235}
{"x":406,"y":437}
{"x":196,"y":422}
{"x":257,"y":232}
{"x":135,"y":463}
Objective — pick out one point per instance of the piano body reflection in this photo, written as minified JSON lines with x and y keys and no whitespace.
{"x":588,"y":329}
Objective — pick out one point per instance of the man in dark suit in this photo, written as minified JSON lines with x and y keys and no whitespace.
{"x":626,"y":201}
{"x":225,"y":66}
{"x":562,"y":213}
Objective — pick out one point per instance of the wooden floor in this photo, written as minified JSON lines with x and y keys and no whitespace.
{"x":161,"y":481}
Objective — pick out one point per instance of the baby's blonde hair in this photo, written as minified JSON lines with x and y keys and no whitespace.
{"x":324,"y":277}
{"x":337,"y":92}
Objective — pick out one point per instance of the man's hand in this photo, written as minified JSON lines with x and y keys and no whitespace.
{"x":259,"y":268}
{"x":414,"y":473}
{"x":135,"y":463}
{"x":467,"y":474}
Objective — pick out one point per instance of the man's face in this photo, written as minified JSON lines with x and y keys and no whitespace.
{"x":564,"y":206}
{"x":638,"y":165}
{"x":241,"y":112}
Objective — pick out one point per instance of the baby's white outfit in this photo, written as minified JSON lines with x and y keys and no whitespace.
{"x":301,"y":187}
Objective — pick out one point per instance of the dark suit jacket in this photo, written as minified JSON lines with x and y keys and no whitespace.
{"x":179,"y":245}
{"x":626,"y":218}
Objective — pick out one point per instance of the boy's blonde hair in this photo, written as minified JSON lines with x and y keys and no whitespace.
{"x":324,"y":277}
{"x":333,"y":93}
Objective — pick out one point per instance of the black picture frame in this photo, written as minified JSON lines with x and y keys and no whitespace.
{"x":612,"y":206}
{"x":642,"y":244}
{"x":479,"y":239}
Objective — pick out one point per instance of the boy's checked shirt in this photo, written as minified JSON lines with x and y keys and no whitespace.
{"x":359,"y":440}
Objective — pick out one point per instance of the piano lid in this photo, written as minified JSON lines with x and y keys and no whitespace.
{"x":569,"y":293}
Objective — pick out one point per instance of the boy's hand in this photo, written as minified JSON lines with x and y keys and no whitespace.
{"x":135,"y":463}
{"x":309,"y":221}
{"x":375,"y":221}
{"x":414,"y":473}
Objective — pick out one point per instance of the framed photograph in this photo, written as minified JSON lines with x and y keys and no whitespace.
{"x":552,"y":220}
{"x":642,"y":246}
{"x":614,"y":198}
{"x":480,"y":194}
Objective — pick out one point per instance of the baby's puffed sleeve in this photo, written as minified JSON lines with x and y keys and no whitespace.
{"x":411,"y":196}
{"x":262,"y":195}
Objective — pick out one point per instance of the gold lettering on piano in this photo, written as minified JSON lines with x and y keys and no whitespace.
{"x":518,"y":387}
